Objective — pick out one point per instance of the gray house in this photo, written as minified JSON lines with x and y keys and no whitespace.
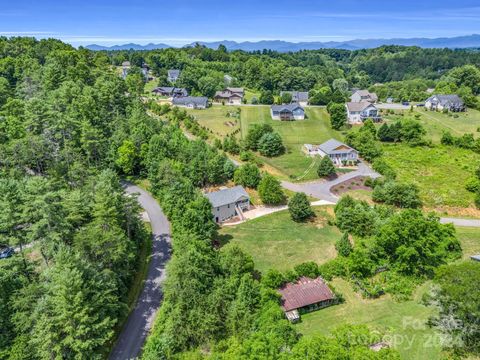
{"x":339,"y":153}
{"x":173,"y":75}
{"x":170,"y":91}
{"x":358,"y":112}
{"x":440,"y":102}
{"x":287,"y":112}
{"x":300,"y":97}
{"x":191,"y":102}
{"x":227,"y":203}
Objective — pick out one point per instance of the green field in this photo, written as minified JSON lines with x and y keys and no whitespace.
{"x":215,"y":118}
{"x":404,"y":322}
{"x":435,"y":123}
{"x":470,"y":240}
{"x":275,"y":241}
{"x":440,"y":172}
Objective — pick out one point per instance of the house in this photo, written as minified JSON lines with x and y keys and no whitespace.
{"x":338,"y":152}
{"x":228,"y":202}
{"x":191,"y":102}
{"x":358,"y":112}
{"x":300,"y":97}
{"x":173,"y":75}
{"x":305,"y":295}
{"x":441,"y":102}
{"x":230,"y":96}
{"x":287,"y":112}
{"x":364,"y":96}
{"x":170,"y":91}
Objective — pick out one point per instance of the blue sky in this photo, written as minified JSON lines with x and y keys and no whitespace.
{"x":109,"y":22}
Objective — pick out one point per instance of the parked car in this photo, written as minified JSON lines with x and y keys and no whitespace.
{"x":6,"y":252}
{"x":405,"y":103}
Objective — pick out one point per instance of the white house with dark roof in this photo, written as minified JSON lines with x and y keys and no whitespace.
{"x":173,"y":75}
{"x":300,"y":97}
{"x":339,"y":153}
{"x":287,"y":112}
{"x":228,"y":203}
{"x":364,"y":96}
{"x":358,"y":112}
{"x":440,"y":102}
{"x":191,"y":102}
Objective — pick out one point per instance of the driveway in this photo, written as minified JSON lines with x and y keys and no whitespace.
{"x":139,"y":322}
{"x":461,"y":222}
{"x":320,"y":189}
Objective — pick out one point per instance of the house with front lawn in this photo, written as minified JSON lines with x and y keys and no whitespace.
{"x":452,"y":103}
{"x":364,"y":96}
{"x":229,"y":96}
{"x":305,"y":295}
{"x":341,"y":154}
{"x":191,"y":102}
{"x":288,"y":112}
{"x":170,"y":91}
{"x":299,"y":97}
{"x":173,"y":75}
{"x":358,"y":112}
{"x":228,"y":203}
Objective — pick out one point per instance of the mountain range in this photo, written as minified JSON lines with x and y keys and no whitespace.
{"x":468,"y":41}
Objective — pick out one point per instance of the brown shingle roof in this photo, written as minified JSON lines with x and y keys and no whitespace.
{"x":304,"y":292}
{"x":358,"y":106}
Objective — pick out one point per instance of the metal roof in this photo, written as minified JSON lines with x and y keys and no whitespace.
{"x":304,"y":292}
{"x":331,"y":146}
{"x":197,"y":100}
{"x":297,"y":96}
{"x":226,"y":196}
{"x":288,"y":107}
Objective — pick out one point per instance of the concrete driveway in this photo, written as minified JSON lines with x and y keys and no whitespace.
{"x":320,"y":189}
{"x":130,"y":342}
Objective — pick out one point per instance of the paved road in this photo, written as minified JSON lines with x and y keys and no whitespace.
{"x":140,"y":320}
{"x":320,"y":189}
{"x":461,"y":222}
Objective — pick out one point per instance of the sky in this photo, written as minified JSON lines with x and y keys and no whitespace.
{"x":110,"y":22}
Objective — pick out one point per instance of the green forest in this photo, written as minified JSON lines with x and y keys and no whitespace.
{"x":71,"y":129}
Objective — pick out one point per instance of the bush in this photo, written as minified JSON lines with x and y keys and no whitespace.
{"x":270,"y":144}
{"x":299,"y":207}
{"x":270,"y":190}
{"x":326,"y":167}
{"x":247,"y":175}
{"x":343,"y":246}
{"x":266,"y":98}
{"x":381,"y":166}
{"x":308,"y":269}
{"x":338,"y":115}
{"x":473,"y":185}
{"x":397,"y":194}
{"x":273,"y":279}
{"x":255,"y":133}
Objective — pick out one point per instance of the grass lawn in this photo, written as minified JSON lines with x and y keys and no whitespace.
{"x":383,"y":314}
{"x":439,"y":172}
{"x":435,"y":123}
{"x":215,"y":118}
{"x":470,"y":240}
{"x":250,"y":94}
{"x":275,"y":241}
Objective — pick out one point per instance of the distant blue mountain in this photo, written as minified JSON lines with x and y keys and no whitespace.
{"x":469,"y":41}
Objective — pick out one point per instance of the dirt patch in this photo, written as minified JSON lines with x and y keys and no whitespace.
{"x":469,"y":213}
{"x":356,"y":183}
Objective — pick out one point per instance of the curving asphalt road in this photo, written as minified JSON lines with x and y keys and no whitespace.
{"x":130,"y":342}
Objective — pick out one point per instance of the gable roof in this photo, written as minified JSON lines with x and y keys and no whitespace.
{"x":186,"y":100}
{"x":235,"y":90}
{"x":297,"y":96}
{"x":304,"y":292}
{"x":366,"y":94}
{"x":226,"y":196}
{"x":331,"y":146}
{"x":227,"y":94}
{"x":288,"y":107}
{"x":447,"y":99}
{"x":170,"y":90}
{"x":358,"y":106}
{"x":173,"y":73}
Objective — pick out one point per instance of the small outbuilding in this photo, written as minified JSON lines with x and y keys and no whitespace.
{"x":305,"y":295}
{"x":287,"y":112}
{"x":228,"y":203}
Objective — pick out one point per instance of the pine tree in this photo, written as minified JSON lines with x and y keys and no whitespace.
{"x":299,"y":207}
{"x":326,"y":167}
{"x":343,"y":246}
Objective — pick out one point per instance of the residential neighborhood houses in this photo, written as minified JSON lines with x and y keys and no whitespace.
{"x":230,"y":96}
{"x":358,"y":112}
{"x":191,"y":102}
{"x":287,"y":112}
{"x":173,"y":75}
{"x":300,"y":97}
{"x":170,"y":91}
{"x":340,"y":153}
{"x":452,"y":103}
{"x":364,"y":96}
{"x":228,"y":203}
{"x":305,"y":295}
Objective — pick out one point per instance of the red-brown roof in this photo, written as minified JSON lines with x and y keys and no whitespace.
{"x":304,"y":292}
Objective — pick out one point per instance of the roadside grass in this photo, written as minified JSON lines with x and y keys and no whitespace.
{"x":469,"y":238}
{"x":215,"y":118}
{"x":405,"y":322}
{"x":277,"y":242}
{"x":435,"y":123}
{"x":149,"y":86}
{"x":440,"y":172}
{"x":250,"y":94}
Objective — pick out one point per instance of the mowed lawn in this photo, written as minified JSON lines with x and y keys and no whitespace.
{"x":277,"y":242}
{"x":315,"y":129}
{"x":440,"y":172}
{"x":404,"y":322}
{"x":470,"y":239}
{"x":215,"y":118}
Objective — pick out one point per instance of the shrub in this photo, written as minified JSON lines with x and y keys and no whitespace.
{"x":270,"y":144}
{"x":273,"y":279}
{"x":397,"y":194}
{"x":299,"y":207}
{"x":308,"y":269}
{"x":247,"y":175}
{"x":343,"y":245}
{"x":270,"y":190}
{"x":473,"y":185}
{"x":326,"y":167}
